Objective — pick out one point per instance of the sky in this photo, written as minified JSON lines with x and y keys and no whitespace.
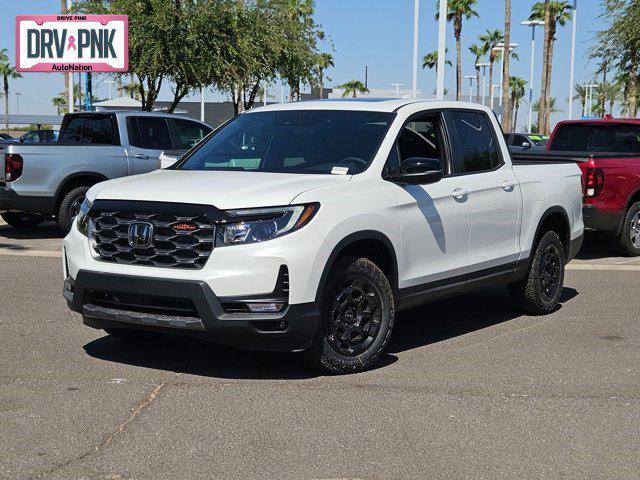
{"x":377,"y":34}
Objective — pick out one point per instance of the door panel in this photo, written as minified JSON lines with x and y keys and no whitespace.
{"x":435,"y":231}
{"x":495,"y":212}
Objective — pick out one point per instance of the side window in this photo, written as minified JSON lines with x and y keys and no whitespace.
{"x":519,"y":140}
{"x":475,"y":148}
{"x":420,"y":138}
{"x":133,"y":132}
{"x":154,"y":133}
{"x":95,"y":129}
{"x":186,"y":133}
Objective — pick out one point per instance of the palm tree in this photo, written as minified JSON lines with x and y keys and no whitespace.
{"x":132,"y":89}
{"x":430,"y":60}
{"x":7,"y":71}
{"x":323,"y":61}
{"x":612,"y":93}
{"x":552,"y":108}
{"x":457,"y":10}
{"x":60,"y":103}
{"x":506,"y":104}
{"x":553,"y":13}
{"x":581,"y":94}
{"x":353,"y":87}
{"x":490,"y":39}
{"x":478,"y":52}
{"x":516,"y":87}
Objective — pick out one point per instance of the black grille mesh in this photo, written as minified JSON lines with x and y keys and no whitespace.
{"x":171,"y":247}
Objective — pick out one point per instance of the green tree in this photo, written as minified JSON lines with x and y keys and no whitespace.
{"x":516,"y":88}
{"x":478,"y":52}
{"x":553,"y":13}
{"x":324,"y":61}
{"x":552,"y":108}
{"x":458,"y":10}
{"x":491,"y":39}
{"x":7,"y":71}
{"x":430,"y":60}
{"x":353,"y":87}
{"x":581,"y":94}
{"x":60,"y":103}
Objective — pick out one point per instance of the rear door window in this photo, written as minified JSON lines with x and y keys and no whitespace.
{"x":152,"y":133}
{"x":186,"y":133}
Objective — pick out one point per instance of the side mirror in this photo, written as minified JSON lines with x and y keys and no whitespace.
{"x":526,"y":144}
{"x":418,"y":171}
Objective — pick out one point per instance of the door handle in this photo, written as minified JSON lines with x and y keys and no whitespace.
{"x":508,"y":185}
{"x":460,"y":195}
{"x":140,"y":155}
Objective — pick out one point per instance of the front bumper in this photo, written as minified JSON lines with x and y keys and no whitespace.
{"x":292,"y":329}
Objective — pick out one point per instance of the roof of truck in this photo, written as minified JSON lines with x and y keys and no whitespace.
{"x":371,"y":104}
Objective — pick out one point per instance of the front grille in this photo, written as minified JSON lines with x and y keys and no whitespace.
{"x":179,"y":240}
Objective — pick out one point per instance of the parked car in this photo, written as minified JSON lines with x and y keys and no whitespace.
{"x":611,"y":170}
{"x":307,"y":226}
{"x":521,"y":142}
{"x":51,"y":179}
{"x":33,"y":136}
{"x":5,"y":136}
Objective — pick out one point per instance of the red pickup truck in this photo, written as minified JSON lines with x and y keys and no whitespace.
{"x":611,"y":174}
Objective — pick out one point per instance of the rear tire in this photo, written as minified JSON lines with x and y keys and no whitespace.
{"x":629,"y":241}
{"x":357,"y":317}
{"x":69,"y":207}
{"x":23,"y":219}
{"x":539,"y":292}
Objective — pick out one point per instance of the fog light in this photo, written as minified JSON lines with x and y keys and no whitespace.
{"x":267,"y":307}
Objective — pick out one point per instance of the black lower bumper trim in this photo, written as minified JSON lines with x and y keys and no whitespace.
{"x":574,"y":247}
{"x":598,"y":219}
{"x":290,"y":330}
{"x":10,"y":201}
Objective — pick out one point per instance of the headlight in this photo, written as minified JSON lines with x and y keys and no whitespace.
{"x":83,"y":217}
{"x":260,"y":224}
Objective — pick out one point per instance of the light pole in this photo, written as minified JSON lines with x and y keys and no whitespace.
{"x":442,"y":47}
{"x":573,"y":56}
{"x":416,"y":11}
{"x":533,"y":24}
{"x":110,"y":82}
{"x":202,"y":103}
{"x":18,"y":103}
{"x":397,"y":85}
{"x":484,"y":74}
{"x":589,"y":93}
{"x":501,"y":47}
{"x":471,"y":78}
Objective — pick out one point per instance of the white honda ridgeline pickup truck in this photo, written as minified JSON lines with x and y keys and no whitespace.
{"x":308,"y":226}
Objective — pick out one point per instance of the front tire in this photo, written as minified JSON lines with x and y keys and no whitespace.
{"x":357,"y":317}
{"x":70,"y":207}
{"x":539,"y":292}
{"x":23,"y":219}
{"x":629,"y":242}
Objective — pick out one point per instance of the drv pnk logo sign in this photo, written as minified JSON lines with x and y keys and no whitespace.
{"x":72,"y":43}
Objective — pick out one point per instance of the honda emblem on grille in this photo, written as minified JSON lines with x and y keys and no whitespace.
{"x":140,"y":234}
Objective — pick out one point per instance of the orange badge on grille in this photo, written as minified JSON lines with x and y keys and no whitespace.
{"x":184,"y":227}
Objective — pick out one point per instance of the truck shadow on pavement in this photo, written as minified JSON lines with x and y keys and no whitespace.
{"x":597,"y":246}
{"x":45,"y":231}
{"x":420,"y":327}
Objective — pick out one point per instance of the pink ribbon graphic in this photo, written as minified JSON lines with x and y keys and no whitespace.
{"x":72,"y":43}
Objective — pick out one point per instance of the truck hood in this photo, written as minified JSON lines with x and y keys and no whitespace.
{"x":224,"y":190}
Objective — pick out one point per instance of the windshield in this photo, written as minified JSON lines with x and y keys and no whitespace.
{"x":294,"y":141}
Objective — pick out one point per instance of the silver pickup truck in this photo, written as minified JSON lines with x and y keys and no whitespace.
{"x":42,"y":180}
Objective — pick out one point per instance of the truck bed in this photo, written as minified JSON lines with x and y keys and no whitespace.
{"x":551,"y":156}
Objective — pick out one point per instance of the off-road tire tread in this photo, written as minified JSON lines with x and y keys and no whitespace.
{"x":321,"y":356}
{"x":525,"y":292}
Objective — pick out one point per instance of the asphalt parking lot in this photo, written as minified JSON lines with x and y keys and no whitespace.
{"x":469,"y":389}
